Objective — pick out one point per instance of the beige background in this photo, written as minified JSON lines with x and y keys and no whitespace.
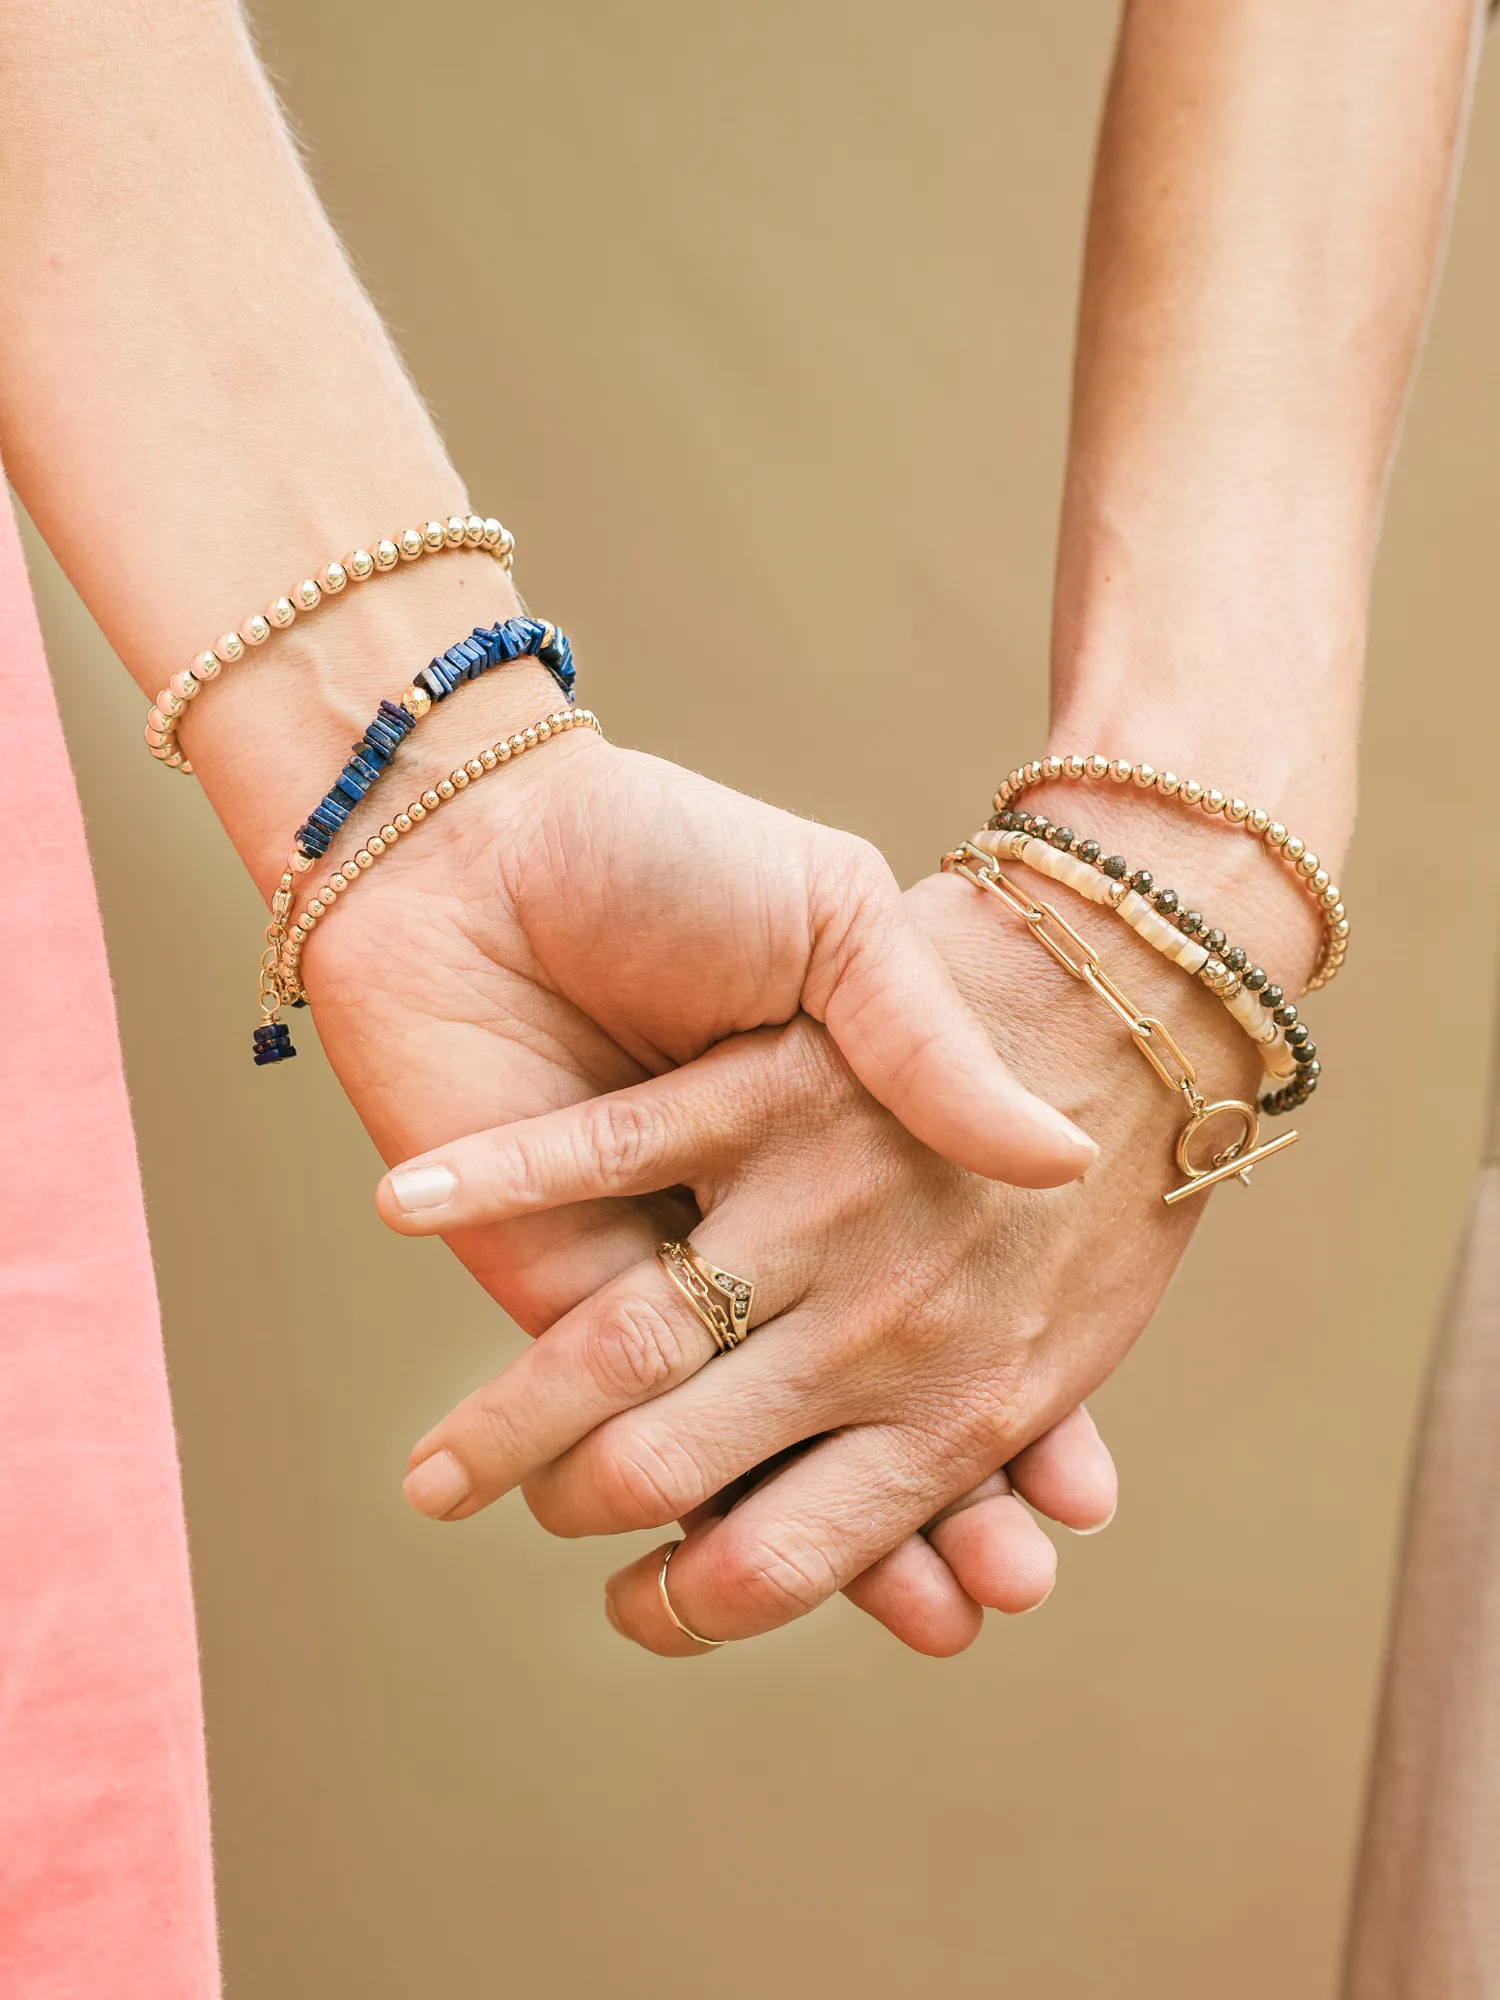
{"x":755,"y":323}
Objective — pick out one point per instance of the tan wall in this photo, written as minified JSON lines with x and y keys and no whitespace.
{"x":754,"y":322}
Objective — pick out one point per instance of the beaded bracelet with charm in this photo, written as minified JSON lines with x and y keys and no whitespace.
{"x":459,"y":531}
{"x":1256,"y":1003}
{"x":1150,"y":1036}
{"x":1307,"y":871}
{"x":281,"y":963}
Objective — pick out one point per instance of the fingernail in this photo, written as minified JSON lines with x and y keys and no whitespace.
{"x":437,"y":1485}
{"x":1099,"y":1526}
{"x":1071,"y":1134}
{"x":423,"y":1187}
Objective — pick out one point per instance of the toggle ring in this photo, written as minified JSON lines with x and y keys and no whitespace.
{"x":661,"y":1585}
{"x":721,"y":1301}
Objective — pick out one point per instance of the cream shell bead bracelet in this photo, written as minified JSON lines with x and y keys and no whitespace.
{"x":459,"y":531}
{"x":1306,"y":869}
{"x":1259,"y":1022}
{"x":281,"y":963}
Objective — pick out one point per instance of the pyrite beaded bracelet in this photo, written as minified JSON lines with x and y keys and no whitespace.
{"x":1184,"y":935}
{"x":1311,"y":877}
{"x":485,"y":647}
{"x":281,"y":963}
{"x":459,"y":531}
{"x":1155,"y":1043}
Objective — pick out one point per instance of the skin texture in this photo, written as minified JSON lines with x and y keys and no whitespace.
{"x":1272,"y":186}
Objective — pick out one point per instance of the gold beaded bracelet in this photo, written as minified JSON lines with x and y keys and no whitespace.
{"x":281,"y":962}
{"x":436,"y":538}
{"x":1311,"y":877}
{"x":1150,"y":1036}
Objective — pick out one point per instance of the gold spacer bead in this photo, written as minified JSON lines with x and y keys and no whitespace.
{"x":457,"y":781}
{"x":402,"y":822}
{"x":456,"y":531}
{"x":256,"y":629}
{"x":1168,"y":784}
{"x":1191,"y":791}
{"x":360,"y":565}
{"x":1214,"y":800}
{"x":492,"y":532}
{"x":488,"y":759}
{"x":474,"y":530}
{"x":475,"y":767}
{"x":1259,"y":820}
{"x":387,"y":555}
{"x":416,"y":701}
{"x":1294,"y":849}
{"x":1237,"y":811}
{"x":230,"y":647}
{"x":333,"y":576}
{"x":432,"y":800}
{"x":412,"y":544}
{"x":1121,"y":771}
{"x":207,"y":667}
{"x":1144,"y":775}
{"x":308,"y":595}
{"x":435,"y":535}
{"x":281,"y":612}
{"x":388,"y":835}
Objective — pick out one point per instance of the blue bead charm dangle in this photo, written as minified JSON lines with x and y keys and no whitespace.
{"x":273,"y":1043}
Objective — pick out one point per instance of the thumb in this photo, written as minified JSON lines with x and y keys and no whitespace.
{"x":877,"y":983}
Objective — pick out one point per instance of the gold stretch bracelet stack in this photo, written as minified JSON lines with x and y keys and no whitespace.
{"x":1311,"y":877}
{"x":1155,"y":1043}
{"x":459,"y":531}
{"x":281,"y":974}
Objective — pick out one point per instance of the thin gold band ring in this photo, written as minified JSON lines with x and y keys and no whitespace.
{"x":661,"y":1585}
{"x":721,"y":1302}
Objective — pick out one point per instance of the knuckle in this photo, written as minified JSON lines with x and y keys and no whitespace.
{"x":780,"y":1576}
{"x":633,"y":1351}
{"x":493,"y":1444}
{"x":620,"y":1136}
{"x":645,"y":1481}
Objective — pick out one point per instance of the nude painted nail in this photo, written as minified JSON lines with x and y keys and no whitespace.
{"x":423,"y":1187}
{"x":1064,"y":1128}
{"x":437,"y":1485}
{"x":1099,"y":1526}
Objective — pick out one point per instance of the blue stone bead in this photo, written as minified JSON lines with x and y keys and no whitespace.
{"x":399,"y":718}
{"x":366,"y":766}
{"x":435,"y":685}
{"x":353,"y":789}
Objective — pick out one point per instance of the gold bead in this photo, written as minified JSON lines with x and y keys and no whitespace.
{"x":256,"y":629}
{"x":492,"y":532}
{"x":530,"y":738}
{"x":1076,"y":767}
{"x":1259,"y":820}
{"x":1121,"y":771}
{"x":1168,"y":784}
{"x":155,"y":719}
{"x":1337,"y":911}
{"x":416,"y":810}
{"x":333,"y":576}
{"x":402,"y":822}
{"x":1341,"y":928}
{"x":458,"y":781}
{"x":298,"y":932}
{"x":543,"y":730}
{"x":506,"y":548}
{"x":207,"y":666}
{"x":502,"y":753}
{"x":302,"y":862}
{"x":1144,"y":775}
{"x":1237,"y":811}
{"x":1191,"y":791}
{"x":1276,"y":834}
{"x":1331,"y":894}
{"x":474,"y":530}
{"x":230,"y":647}
{"x":431,"y":801}
{"x":308,"y":595}
{"x":388,"y":835}
{"x":444,"y":790}
{"x":280,"y":612}
{"x":360,"y":565}
{"x":1308,"y":865}
{"x":1294,"y":849}
{"x":435,"y":535}
{"x":387,"y":555}
{"x":1052,"y":767}
{"x":475,"y":767}
{"x":1033,"y":772}
{"x":338,"y":881}
{"x":1214,"y":800}
{"x":416,"y":701}
{"x":1098,"y":767}
{"x":1320,"y":879}
{"x":364,"y":858}
{"x":456,"y":532}
{"x":488,"y":759}
{"x":374,"y":847}
{"x":412,"y":544}
{"x":184,"y":685}
{"x":170,"y":705}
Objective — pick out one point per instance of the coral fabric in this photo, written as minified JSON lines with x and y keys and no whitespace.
{"x":105,"y":1884}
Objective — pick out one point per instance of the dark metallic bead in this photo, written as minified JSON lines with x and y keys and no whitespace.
{"x":1166,"y":901}
{"x":1270,"y":996}
{"x":1141,"y":881}
{"x":1285,"y":1017}
{"x":1254,"y":979}
{"x":1089,"y":852}
{"x":1297,"y":1034}
{"x":1115,"y":867}
{"x":1215,"y":940}
{"x":1236,"y":958}
{"x":1192,"y":922}
{"x":1062,"y":837}
{"x":1305,"y":1053}
{"x":1039,"y":825}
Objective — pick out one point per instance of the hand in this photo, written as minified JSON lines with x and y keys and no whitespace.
{"x":548,"y":939}
{"x":884,"y":1364}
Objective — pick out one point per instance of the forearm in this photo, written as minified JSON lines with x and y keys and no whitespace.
{"x":198,"y":403}
{"x":1272,"y":189}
